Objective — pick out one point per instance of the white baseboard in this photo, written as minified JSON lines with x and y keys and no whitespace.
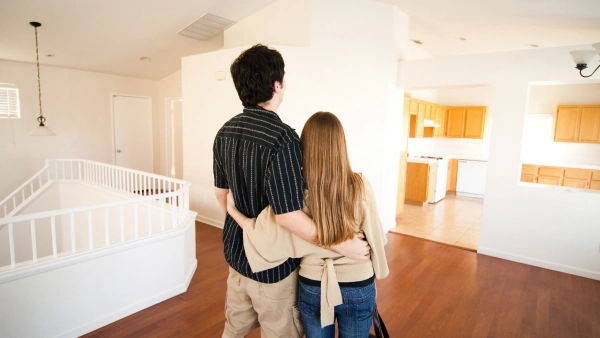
{"x":128,"y":311}
{"x":210,"y":221}
{"x":540,"y":263}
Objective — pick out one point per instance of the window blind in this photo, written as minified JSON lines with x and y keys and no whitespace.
{"x":9,"y":101}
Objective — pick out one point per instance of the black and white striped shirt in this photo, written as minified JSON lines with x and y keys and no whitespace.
{"x":259,"y":158}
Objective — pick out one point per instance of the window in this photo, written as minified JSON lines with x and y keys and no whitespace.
{"x":9,"y":101}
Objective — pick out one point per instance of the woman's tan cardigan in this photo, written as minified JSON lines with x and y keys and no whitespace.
{"x":268,"y":244}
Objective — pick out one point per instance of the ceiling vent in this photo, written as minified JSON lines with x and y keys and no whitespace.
{"x":207,"y":27}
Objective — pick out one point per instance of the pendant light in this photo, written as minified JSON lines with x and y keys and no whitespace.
{"x":40,"y":130}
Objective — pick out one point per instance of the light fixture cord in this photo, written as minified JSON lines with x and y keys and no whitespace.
{"x":37,"y":54}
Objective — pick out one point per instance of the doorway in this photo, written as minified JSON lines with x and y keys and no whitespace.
{"x":174,"y":136}
{"x":132,"y":118}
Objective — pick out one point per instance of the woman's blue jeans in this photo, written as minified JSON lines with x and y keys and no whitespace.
{"x":354,"y":316}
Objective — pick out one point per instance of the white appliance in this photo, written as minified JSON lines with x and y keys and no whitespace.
{"x":441,"y":178}
{"x":470,"y":180}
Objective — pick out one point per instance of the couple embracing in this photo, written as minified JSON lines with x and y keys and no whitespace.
{"x":302,"y":235}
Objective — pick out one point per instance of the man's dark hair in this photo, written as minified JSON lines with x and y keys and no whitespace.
{"x":255,"y":72}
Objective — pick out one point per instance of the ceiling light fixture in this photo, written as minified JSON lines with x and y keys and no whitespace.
{"x":583,"y":57}
{"x":40,"y":130}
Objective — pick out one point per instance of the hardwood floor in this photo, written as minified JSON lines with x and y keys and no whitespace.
{"x":433,"y":290}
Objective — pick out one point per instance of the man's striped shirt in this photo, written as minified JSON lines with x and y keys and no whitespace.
{"x":259,"y":158}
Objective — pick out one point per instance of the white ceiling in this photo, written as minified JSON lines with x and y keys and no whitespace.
{"x":109,"y":36}
{"x":500,"y":25}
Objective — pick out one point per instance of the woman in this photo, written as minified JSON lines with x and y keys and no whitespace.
{"x":341,"y":202}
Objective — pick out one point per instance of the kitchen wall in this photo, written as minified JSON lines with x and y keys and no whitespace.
{"x":77,"y":105}
{"x":456,"y":96}
{"x":546,"y":227}
{"x":538,"y":133}
{"x":333,"y":74}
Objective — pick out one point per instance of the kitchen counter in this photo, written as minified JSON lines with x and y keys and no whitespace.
{"x":449,"y":157}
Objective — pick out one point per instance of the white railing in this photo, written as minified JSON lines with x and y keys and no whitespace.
{"x":148,"y":204}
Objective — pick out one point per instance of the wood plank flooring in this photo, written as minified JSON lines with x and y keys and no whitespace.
{"x":433,"y":290}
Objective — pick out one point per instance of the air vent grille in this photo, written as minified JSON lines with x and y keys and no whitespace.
{"x":207,"y":27}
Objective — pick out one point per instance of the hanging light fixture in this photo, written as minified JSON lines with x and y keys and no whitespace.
{"x":583,"y":57}
{"x":40,"y":130}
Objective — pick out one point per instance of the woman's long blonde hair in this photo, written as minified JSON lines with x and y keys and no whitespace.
{"x":335,"y":191}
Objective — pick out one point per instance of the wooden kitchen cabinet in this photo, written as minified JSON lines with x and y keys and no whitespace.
{"x":455,"y":119}
{"x":452,"y":175}
{"x":414,"y":107}
{"x":589,"y":129}
{"x":440,"y":117}
{"x":428,"y":109}
{"x":474,"y":122}
{"x":577,"y":124}
{"x":465,"y":122}
{"x":419,"y":182}
{"x":567,"y":177}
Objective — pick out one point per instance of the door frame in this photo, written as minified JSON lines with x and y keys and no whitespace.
{"x":112,"y":124}
{"x":168,"y":136}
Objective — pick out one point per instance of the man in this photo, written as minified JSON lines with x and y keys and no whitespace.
{"x":259,"y":158}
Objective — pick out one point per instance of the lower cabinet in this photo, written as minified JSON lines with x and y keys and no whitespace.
{"x":566,"y":177}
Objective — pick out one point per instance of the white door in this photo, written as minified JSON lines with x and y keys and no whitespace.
{"x":133,"y":133}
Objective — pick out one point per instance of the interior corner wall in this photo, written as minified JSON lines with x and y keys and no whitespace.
{"x":284,"y":22}
{"x":551,"y":228}
{"x":77,"y":105}
{"x":358,"y":84}
{"x":168,"y":87}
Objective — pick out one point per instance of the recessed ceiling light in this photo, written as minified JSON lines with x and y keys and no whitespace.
{"x":50,"y":55}
{"x":145,"y":58}
{"x":417,"y":42}
{"x":535,"y":46}
{"x":462,"y":39}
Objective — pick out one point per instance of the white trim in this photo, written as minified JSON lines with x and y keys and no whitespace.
{"x":467,"y":194}
{"x":112,"y":124}
{"x":131,"y":309}
{"x":210,"y":221}
{"x":540,"y":263}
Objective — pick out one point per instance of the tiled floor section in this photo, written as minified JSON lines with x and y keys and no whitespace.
{"x":454,"y":220}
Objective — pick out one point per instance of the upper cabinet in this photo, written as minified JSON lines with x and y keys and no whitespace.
{"x":577,"y":124}
{"x":456,"y":122}
{"x":465,"y":122}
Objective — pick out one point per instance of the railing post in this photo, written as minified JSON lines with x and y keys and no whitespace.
{"x":122,"y":221}
{"x":149,"y":218}
{"x":73,"y":246}
{"x":90,"y":230}
{"x":106,"y":234}
{"x":53,"y":229}
{"x":79,"y":167}
{"x":136,"y":220}
{"x":33,"y":242}
{"x":11,"y":243}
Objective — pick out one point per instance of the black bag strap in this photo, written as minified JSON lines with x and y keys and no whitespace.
{"x":379,"y":326}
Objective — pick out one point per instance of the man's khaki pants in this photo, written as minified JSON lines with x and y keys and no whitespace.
{"x":273,"y":307}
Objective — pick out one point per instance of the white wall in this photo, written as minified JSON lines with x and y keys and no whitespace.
{"x":349,"y":70}
{"x":169,"y":87}
{"x":456,"y":96}
{"x":284,"y":22}
{"x":77,"y":105}
{"x":538,"y":135}
{"x":544,"y":227}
